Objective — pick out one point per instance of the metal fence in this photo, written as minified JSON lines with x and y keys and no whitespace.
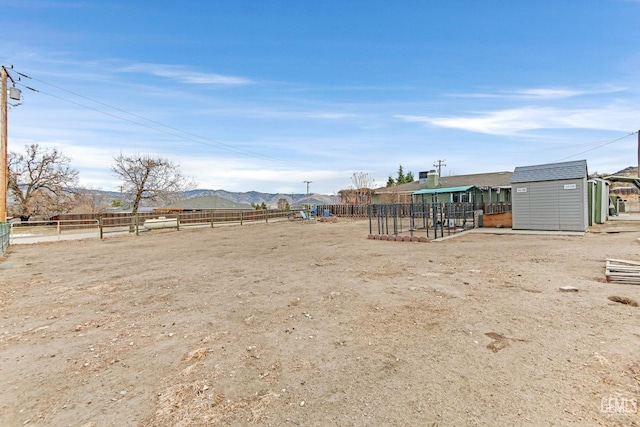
{"x":4,"y":237}
{"x":362,"y":211}
{"x":432,"y":220}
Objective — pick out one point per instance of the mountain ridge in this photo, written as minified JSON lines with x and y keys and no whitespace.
{"x":270,"y":199}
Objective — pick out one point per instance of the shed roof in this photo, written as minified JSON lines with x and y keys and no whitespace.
{"x":445,"y":190}
{"x":550,"y":172}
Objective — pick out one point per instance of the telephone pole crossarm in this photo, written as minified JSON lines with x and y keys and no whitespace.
{"x":439,"y":164}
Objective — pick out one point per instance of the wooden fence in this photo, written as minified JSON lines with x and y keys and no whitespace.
{"x":497,"y":207}
{"x":345,"y":211}
{"x":388,"y":219}
{"x":186,"y":218}
{"x":101,"y":224}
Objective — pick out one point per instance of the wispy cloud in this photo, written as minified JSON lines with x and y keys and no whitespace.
{"x":541,"y":93}
{"x":517,"y":120}
{"x":183,"y":74}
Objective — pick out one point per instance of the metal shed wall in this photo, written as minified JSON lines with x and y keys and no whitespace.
{"x":560,"y":205}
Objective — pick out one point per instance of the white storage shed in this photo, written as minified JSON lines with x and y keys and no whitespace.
{"x":552,"y":196}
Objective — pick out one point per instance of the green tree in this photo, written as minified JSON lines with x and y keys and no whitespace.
{"x":262,"y":206}
{"x":402,"y":178}
{"x":409,"y":177}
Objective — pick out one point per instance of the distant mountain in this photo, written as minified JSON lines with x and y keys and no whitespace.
{"x":628,"y":171}
{"x":249,"y":197}
{"x":270,"y":199}
{"x":206,"y":202}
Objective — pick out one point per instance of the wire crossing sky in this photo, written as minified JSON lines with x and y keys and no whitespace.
{"x":263,"y":96}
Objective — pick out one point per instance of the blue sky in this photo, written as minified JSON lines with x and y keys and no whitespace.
{"x":263,"y":95}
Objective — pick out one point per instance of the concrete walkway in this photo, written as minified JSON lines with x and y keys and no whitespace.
{"x":533,"y":232}
{"x":20,"y":239}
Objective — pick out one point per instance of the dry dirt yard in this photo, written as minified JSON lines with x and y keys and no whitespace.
{"x":313,"y":324}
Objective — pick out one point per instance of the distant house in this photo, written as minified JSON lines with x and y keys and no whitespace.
{"x":356,"y":196}
{"x":551,"y":196}
{"x":478,"y":188}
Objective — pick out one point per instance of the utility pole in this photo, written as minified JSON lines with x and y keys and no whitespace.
{"x":308,"y":182}
{"x":439,"y":164}
{"x":4,"y":167}
{"x":15,"y":93}
{"x":638,"y":154}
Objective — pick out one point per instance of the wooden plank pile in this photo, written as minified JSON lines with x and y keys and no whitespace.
{"x":623,"y":271}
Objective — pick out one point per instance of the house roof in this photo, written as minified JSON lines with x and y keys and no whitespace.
{"x":550,"y":172}
{"x":632,"y":179}
{"x":492,"y":179}
{"x":444,"y":190}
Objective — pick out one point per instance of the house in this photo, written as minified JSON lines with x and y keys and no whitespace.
{"x":481,"y":188}
{"x":550,"y":196}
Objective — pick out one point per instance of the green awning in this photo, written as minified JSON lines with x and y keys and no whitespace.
{"x":461,"y":189}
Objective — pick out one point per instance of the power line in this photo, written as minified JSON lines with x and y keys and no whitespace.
{"x":191,"y":136}
{"x":599,"y":146}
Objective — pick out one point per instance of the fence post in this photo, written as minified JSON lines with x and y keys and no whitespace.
{"x":100,"y":227}
{"x":178,"y":221}
{"x":266,"y":216}
{"x":412,"y":223}
{"x":426,"y":207}
{"x":211,"y":218}
{"x":58,"y":232}
{"x":137,"y":221}
{"x":240,"y":217}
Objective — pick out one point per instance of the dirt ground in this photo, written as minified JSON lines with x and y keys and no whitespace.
{"x":313,"y":324}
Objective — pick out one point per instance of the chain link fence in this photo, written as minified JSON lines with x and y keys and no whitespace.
{"x":4,"y":237}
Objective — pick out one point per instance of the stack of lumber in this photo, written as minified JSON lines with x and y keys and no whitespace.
{"x":623,"y":271}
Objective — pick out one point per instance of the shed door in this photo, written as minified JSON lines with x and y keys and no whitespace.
{"x":520,"y":207}
{"x":544,"y":205}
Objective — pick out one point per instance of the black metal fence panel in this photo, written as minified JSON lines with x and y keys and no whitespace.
{"x":432,"y":220}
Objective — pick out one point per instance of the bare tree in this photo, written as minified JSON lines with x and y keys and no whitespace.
{"x":362,"y":191}
{"x":362,"y":180}
{"x":150,"y":178}
{"x":88,"y":200}
{"x":392,"y":195}
{"x":283,"y":204}
{"x":41,"y":182}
